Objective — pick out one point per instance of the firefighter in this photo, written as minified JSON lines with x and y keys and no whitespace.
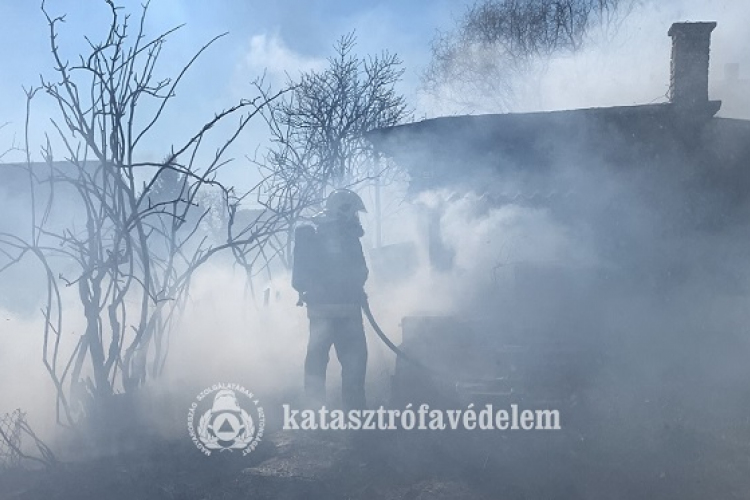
{"x":330,"y":273}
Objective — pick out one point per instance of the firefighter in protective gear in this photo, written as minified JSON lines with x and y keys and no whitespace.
{"x":330,"y":273}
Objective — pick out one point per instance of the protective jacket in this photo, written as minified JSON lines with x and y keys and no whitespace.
{"x":329,"y":264}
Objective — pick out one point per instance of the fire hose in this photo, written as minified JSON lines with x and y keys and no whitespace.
{"x":439,"y":374}
{"x":379,"y":331}
{"x":393,"y":347}
{"x":387,"y":341}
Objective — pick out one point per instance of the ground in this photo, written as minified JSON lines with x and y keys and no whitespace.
{"x":680,"y":464}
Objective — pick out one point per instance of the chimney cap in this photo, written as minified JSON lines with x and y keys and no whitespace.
{"x":692,"y":28}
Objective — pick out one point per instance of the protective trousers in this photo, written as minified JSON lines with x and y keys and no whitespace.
{"x":347,"y":335}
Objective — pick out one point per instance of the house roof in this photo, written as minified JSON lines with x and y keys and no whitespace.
{"x":449,"y":150}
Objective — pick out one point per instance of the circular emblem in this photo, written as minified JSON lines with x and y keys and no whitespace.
{"x":226,"y":417}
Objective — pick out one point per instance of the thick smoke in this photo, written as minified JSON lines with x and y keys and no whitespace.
{"x":667,"y":360}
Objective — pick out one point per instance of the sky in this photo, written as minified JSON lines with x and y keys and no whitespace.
{"x":278,"y":37}
{"x":288,"y":36}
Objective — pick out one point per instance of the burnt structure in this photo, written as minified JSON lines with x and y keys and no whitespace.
{"x":684,"y":167}
{"x":663,"y":188}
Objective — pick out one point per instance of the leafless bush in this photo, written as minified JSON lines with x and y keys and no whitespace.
{"x":496,"y":43}
{"x":318,"y":131}
{"x":140,"y":236}
{"x":14,"y":431}
{"x":13,"y":147}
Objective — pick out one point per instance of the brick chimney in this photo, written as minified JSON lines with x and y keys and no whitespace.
{"x":691,"y":43}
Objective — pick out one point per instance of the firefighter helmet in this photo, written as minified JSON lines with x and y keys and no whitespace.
{"x":344,"y":203}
